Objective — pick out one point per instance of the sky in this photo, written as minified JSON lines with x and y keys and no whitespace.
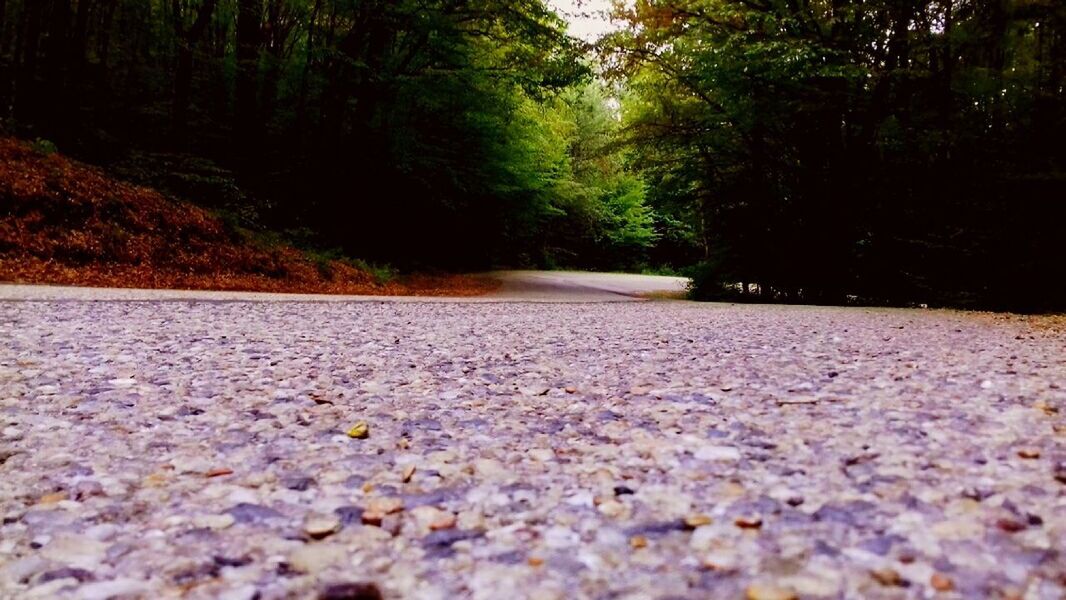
{"x":587,"y":18}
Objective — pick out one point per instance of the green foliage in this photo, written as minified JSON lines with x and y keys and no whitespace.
{"x":44,"y":147}
{"x":597,"y":214}
{"x":325,"y":259}
{"x":708,"y":282}
{"x":381,"y":273}
{"x":886,"y":150}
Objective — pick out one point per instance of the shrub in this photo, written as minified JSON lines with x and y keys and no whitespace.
{"x":709,"y":282}
{"x":44,"y":147}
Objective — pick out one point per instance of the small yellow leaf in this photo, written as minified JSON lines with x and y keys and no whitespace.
{"x":359,"y":431}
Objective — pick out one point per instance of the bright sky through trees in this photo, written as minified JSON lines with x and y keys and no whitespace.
{"x":588,"y":18}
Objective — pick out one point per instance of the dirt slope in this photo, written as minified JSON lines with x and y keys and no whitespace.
{"x":64,"y":222}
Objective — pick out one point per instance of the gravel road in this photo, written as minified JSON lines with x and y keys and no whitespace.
{"x":239,"y":450}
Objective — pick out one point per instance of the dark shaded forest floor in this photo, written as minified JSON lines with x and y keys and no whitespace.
{"x":63,"y":222}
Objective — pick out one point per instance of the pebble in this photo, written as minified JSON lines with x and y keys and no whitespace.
{"x":941,"y":583}
{"x":77,"y":551}
{"x":378,"y":508}
{"x":320,"y":525}
{"x":612,"y":508}
{"x":717,"y":453}
{"x":115,"y":588}
{"x":317,"y":556}
{"x":694,"y":521}
{"x":720,"y":560}
{"x":748,"y":522}
{"x":769,"y":592}
{"x":214,"y":521}
{"x":887,"y":577}
{"x":350,"y":591}
{"x":541,"y":454}
{"x":22,"y":569}
{"x":244,"y":592}
{"x":431,"y":518}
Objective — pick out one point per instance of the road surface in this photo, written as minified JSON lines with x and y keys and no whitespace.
{"x":160,"y":447}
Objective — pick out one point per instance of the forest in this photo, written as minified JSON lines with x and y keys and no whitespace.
{"x":819,"y":151}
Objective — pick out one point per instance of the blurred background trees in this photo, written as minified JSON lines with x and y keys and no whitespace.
{"x":798,"y":150}
{"x":448,"y":133}
{"x":887,"y":149}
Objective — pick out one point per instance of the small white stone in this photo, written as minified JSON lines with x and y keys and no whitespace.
{"x":541,"y":454}
{"x":51,"y":589}
{"x":717,"y":453}
{"x":319,"y":525}
{"x":214,"y":521}
{"x":583,"y":498}
{"x":104,"y":590}
{"x":702,"y":538}
{"x":22,"y":569}
{"x":190,"y":464}
{"x":314,"y":557}
{"x":243,"y":495}
{"x":560,"y":537}
{"x":77,"y":551}
{"x":612,"y":508}
{"x":489,"y":468}
{"x":244,"y":592}
{"x":722,"y":560}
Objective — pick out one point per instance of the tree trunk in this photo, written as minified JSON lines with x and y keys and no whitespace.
{"x":249,"y":40}
{"x":27,"y":72}
{"x":81,"y":29}
{"x":301,"y":105}
{"x":104,"y":47}
{"x":187,"y":42}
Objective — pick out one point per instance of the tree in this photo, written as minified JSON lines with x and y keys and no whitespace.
{"x":876,"y":149}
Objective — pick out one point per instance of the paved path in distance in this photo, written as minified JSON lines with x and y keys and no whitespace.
{"x":516,"y":286}
{"x":160,"y":447}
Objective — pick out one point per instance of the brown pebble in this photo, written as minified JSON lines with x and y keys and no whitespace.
{"x":694,"y":521}
{"x":52,"y":498}
{"x":748,"y":522}
{"x":571,"y":389}
{"x":941,"y":583}
{"x":392,"y":524}
{"x":1048,"y":409}
{"x":219,"y":472}
{"x":769,"y":592}
{"x":638,"y":541}
{"x":445,"y":521}
{"x":1010,"y":525}
{"x":535,"y":561}
{"x":1029,"y":453}
{"x":888,"y":577}
{"x":350,"y":591}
